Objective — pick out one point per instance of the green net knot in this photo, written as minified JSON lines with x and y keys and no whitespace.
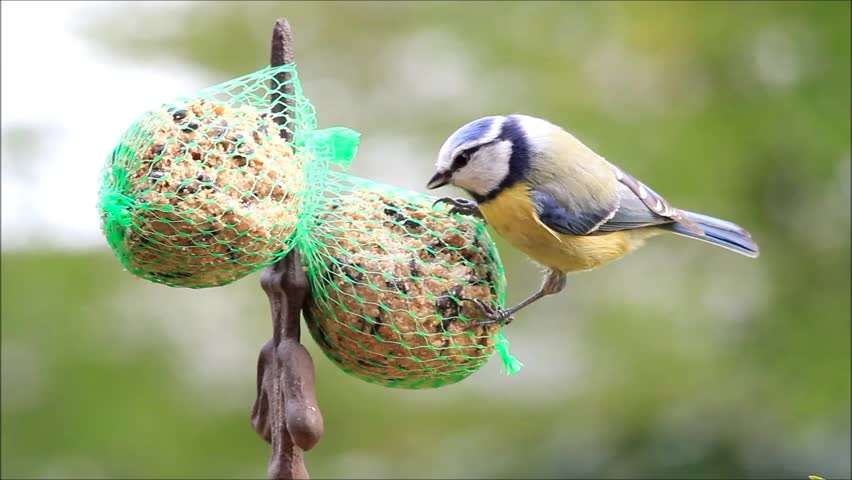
{"x":117,"y":216}
{"x":511,"y":364}
{"x":116,"y":207}
{"x":337,"y":145}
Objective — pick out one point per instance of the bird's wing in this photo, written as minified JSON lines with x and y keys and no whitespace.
{"x":632,"y":213}
{"x":657,"y":205}
{"x":562,"y":218}
{"x":635,"y":206}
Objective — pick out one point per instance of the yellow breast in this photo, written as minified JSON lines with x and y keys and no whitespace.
{"x":512,"y":214}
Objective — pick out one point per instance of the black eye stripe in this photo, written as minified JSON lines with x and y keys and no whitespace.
{"x":462,"y":158}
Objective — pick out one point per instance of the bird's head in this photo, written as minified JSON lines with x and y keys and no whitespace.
{"x":489,"y":154}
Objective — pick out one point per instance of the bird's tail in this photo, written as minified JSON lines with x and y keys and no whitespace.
{"x":717,"y":232}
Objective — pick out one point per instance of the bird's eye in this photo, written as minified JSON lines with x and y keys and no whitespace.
{"x":461,"y":160}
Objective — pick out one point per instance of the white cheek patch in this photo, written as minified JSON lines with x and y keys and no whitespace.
{"x":486,"y":169}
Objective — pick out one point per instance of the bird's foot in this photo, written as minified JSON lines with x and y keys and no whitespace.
{"x":462,"y":206}
{"x":501,"y":316}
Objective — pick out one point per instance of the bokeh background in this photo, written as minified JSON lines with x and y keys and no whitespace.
{"x":682,"y":361}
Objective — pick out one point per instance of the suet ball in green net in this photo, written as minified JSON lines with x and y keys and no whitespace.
{"x":390,"y":274}
{"x":204,"y":190}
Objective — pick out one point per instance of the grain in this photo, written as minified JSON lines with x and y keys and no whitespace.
{"x":217,"y":194}
{"x":389,"y":305}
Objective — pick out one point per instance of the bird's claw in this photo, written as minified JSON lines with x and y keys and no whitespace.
{"x":462,"y":206}
{"x":492,"y":315}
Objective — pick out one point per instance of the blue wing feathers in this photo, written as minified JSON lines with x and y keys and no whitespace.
{"x":632,"y":213}
{"x":560,"y":219}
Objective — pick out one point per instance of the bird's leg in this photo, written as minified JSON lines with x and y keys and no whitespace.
{"x":554,"y":282}
{"x":462,"y":206}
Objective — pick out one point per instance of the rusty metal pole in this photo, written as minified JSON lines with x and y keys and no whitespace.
{"x":285,"y":412}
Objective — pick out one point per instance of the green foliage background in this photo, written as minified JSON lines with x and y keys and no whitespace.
{"x":681,"y":361}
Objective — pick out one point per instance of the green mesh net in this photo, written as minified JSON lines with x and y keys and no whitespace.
{"x":203,"y":190}
{"x":388,"y":273}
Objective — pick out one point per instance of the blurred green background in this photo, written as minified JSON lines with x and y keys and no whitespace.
{"x":680,"y":361}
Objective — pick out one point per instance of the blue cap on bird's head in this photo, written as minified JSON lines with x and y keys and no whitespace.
{"x":478,"y":131}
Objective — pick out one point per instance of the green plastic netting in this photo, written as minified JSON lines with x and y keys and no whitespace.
{"x":203,"y":190}
{"x":388,"y":273}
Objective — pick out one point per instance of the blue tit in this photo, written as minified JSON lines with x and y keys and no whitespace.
{"x":560,"y":203}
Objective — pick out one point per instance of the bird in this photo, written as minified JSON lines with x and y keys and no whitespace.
{"x":556,"y":200}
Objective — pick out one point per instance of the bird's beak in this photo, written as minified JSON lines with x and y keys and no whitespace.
{"x":438,"y":180}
